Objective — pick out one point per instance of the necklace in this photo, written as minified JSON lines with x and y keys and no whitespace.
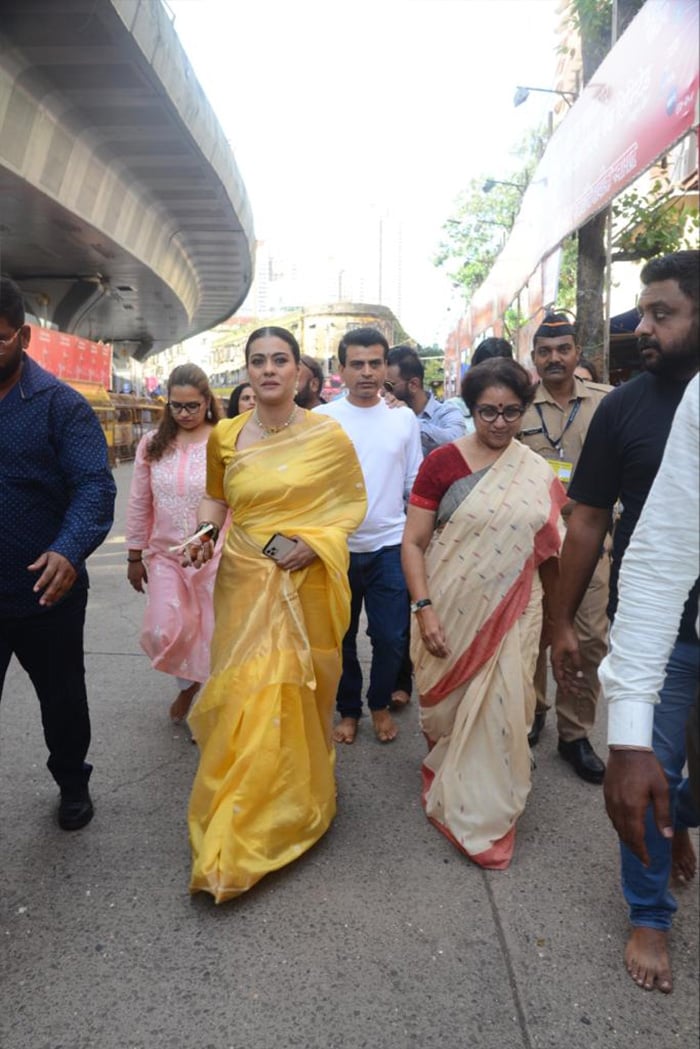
{"x":268,"y":431}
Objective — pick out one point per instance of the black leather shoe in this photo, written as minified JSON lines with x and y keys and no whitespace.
{"x":533,"y":736}
{"x":581,"y":755}
{"x":75,"y":810}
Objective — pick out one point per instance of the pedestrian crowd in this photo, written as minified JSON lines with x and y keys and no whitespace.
{"x":485,"y":539}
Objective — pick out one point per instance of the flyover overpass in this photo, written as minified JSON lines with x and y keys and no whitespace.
{"x":123,"y":216}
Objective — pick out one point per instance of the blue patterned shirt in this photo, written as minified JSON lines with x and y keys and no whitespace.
{"x":439,"y":424}
{"x":56,"y":488}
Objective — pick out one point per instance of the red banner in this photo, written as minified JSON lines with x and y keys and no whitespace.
{"x":639,"y":102}
{"x":70,"y":357}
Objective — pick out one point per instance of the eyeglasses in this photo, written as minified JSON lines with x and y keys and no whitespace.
{"x":189,"y":408}
{"x":4,"y":343}
{"x":390,"y":386}
{"x":511,"y":413}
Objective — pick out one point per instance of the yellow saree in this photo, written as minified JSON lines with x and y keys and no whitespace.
{"x":477,"y":705}
{"x":264,"y":791}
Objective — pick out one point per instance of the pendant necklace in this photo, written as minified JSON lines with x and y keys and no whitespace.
{"x":269,"y":431}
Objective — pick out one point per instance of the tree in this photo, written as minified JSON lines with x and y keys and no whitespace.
{"x":593,"y":20}
{"x":643,"y":224}
{"x":655,"y":223}
{"x":473,"y":238}
{"x":482,"y":220}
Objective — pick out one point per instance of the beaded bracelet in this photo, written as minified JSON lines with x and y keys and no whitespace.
{"x":134,"y":560}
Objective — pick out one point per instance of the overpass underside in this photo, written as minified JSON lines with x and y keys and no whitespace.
{"x":122,"y":213}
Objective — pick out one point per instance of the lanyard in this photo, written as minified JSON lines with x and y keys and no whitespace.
{"x":556,"y":444}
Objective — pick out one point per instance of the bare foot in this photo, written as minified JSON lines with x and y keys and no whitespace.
{"x":181,"y":704}
{"x":683,"y":860}
{"x":385,"y":728}
{"x":647,"y":960}
{"x":345,"y":731}
{"x":400,"y":698}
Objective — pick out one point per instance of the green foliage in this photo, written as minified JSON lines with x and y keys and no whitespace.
{"x":592,"y":20}
{"x":652,"y":223}
{"x":566,"y":296}
{"x":473,"y":238}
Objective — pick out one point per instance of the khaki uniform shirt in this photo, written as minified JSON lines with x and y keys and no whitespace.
{"x":546,"y":428}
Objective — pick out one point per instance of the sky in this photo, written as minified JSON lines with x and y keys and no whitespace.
{"x":336,"y":109}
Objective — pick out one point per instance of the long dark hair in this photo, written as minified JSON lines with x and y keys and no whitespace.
{"x":233,"y":405}
{"x":165,"y":435}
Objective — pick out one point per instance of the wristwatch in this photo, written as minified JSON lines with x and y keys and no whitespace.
{"x":417,"y":605}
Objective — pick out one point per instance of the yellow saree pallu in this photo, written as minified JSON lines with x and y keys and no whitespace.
{"x":477,"y":705}
{"x":264,"y":791}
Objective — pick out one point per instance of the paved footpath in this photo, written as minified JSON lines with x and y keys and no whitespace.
{"x":382,"y":937}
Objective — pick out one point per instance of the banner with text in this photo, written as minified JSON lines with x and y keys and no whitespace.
{"x":641,"y":100}
{"x":71,"y":358}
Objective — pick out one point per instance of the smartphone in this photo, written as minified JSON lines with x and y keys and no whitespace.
{"x":279,"y":546}
{"x":197,"y":536}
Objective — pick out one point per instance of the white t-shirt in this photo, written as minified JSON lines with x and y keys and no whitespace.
{"x":387,"y":442}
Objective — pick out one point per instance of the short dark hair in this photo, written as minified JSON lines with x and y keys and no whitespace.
{"x":11,"y":303}
{"x":492,"y":347}
{"x":499,"y":371}
{"x":681,"y":266}
{"x":278,"y":333}
{"x":361,"y":337}
{"x":584,"y":362}
{"x":315,"y":368}
{"x":409,"y":363}
{"x":234,"y":400}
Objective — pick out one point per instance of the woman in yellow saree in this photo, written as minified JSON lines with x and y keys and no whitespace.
{"x":264,"y":791}
{"x":481,"y":541}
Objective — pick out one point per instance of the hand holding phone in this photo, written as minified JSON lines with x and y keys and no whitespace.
{"x":203,"y":533}
{"x":278,"y":546}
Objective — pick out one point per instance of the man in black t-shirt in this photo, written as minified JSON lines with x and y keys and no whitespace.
{"x":621,"y":454}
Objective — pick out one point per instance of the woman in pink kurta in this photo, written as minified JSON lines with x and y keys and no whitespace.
{"x":168,"y":483}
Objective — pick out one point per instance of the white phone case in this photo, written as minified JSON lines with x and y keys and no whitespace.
{"x":278,"y":546}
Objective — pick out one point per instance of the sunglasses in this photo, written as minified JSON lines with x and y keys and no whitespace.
{"x":189,"y":407}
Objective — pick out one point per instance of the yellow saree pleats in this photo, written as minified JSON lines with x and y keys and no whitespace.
{"x":264,"y":791}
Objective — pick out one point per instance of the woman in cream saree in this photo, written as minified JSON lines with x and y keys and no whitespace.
{"x":482,"y":535}
{"x":264,"y":791}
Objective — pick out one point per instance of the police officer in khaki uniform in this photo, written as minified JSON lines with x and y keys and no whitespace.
{"x":555,"y":426}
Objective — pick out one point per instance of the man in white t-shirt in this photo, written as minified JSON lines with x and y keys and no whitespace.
{"x":387,"y":442}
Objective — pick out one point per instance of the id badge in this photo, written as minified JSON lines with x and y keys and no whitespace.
{"x":562,"y":469}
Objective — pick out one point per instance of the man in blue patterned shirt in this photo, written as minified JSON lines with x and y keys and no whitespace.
{"x":439,"y":423}
{"x":56,"y":507}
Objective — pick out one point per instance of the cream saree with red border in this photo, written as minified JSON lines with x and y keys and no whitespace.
{"x":476,"y":706}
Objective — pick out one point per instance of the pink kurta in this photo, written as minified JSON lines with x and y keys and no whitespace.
{"x":163,"y":501}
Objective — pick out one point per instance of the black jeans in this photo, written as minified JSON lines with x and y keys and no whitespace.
{"x":49,"y":646}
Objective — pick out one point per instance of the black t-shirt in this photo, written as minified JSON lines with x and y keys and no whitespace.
{"x":620,"y":457}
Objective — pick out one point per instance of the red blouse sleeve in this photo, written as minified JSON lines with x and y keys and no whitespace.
{"x":437,"y":473}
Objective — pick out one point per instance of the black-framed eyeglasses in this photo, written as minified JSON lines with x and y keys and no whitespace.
{"x":511,"y":413}
{"x":4,"y":343}
{"x":189,"y":407}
